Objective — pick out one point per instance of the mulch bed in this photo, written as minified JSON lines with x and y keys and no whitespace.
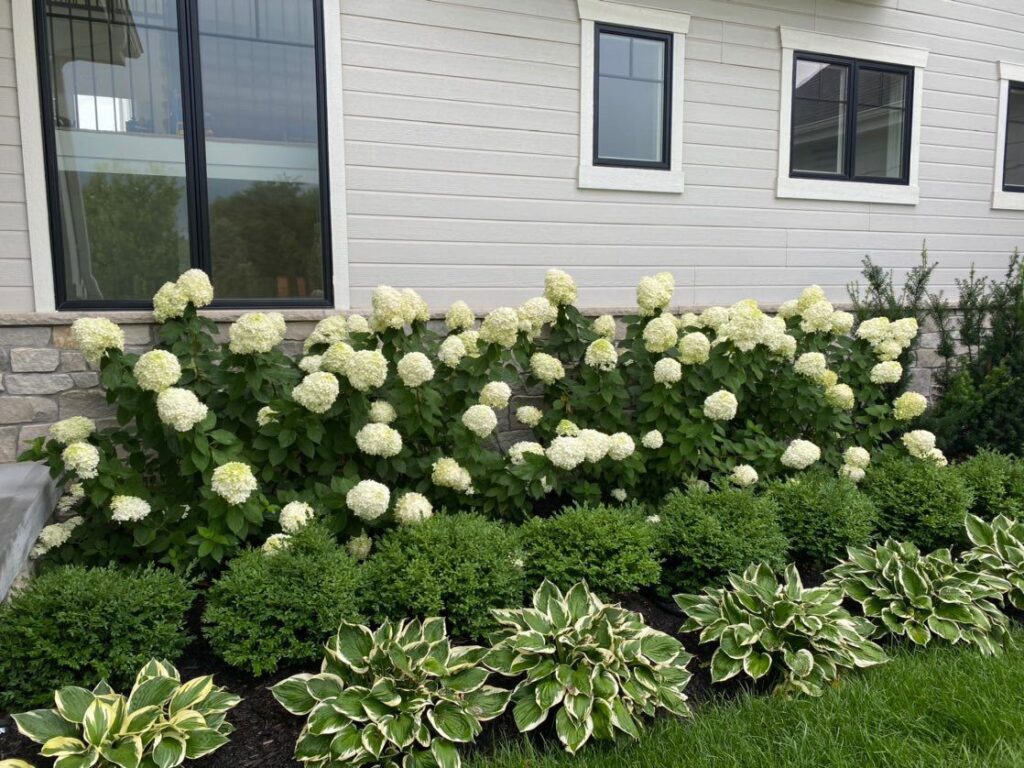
{"x":265,"y":734}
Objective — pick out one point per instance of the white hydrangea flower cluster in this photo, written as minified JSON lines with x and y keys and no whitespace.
{"x":368,"y":499}
{"x":517,"y":452}
{"x":856,"y":474}
{"x":55,"y":535}
{"x":266,"y":415}
{"x":414,"y":308}
{"x":559,"y":287}
{"x":604,"y":326}
{"x":668,"y":371}
{"x":415,"y":369}
{"x":920,"y":443}
{"x":743,"y":475}
{"x":842,"y":322}
{"x":721,"y":405}
{"x":652,"y":440}
{"x":546,"y":368}
{"x":566,"y":428}
{"x":745,"y":325}
{"x":82,"y":459}
{"x":129,"y":509}
{"x":713,"y":318}
{"x":800,"y":454}
{"x":256,"y":333}
{"x":234,"y":482}
{"x":379,"y":440}
{"x":327,"y":331}
{"x":71,"y":498}
{"x":688,"y":320}
{"x":169,"y":302}
{"x":660,"y":334}
{"x":335,"y":358}
{"x":72,"y":430}
{"x":311,"y":363}
{"x":357,"y":324}
{"x":412,"y":508}
{"x":601,"y":355}
{"x":389,"y":308}
{"x":157,"y":370}
{"x":535,"y":313}
{"x":909,"y":406}
{"x":366,"y":369}
{"x":276,"y":542}
{"x":620,"y":446}
{"x":317,"y":392}
{"x":595,"y":444}
{"x":653,"y":294}
{"x":480,"y":420}
{"x":566,"y":452}
{"x":382,"y":412}
{"x":95,"y":335}
{"x":459,"y":317}
{"x":811,"y":365}
{"x":294,"y":516}
{"x":529,"y":415}
{"x":619,"y":494}
{"x":817,"y":318}
{"x":501,"y":327}
{"x":451,"y":351}
{"x":197,"y":287}
{"x":359,"y":546}
{"x":888,"y":372}
{"x":495,"y":394}
{"x":448,"y":473}
{"x":888,"y":338}
{"x":694,"y":348}
{"x":840,"y":396}
{"x":470,"y":339}
{"x":856,"y":462}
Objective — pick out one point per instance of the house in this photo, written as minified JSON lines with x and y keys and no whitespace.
{"x":304,"y":151}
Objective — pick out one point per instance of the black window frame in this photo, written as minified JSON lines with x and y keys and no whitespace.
{"x":666,"y":129}
{"x":854,"y":66}
{"x":196,"y":180}
{"x":1012,"y":85}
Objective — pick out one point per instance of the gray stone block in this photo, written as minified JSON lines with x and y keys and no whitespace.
{"x":24,"y":410}
{"x":37,"y":383}
{"x":91,"y":403}
{"x":27,"y":498}
{"x":29,"y":360}
{"x":70,"y":360}
{"x":86,"y":379}
{"x":8,"y":444}
{"x":24,"y":336}
{"x":29,"y":433}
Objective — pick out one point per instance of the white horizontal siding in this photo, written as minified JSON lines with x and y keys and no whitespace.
{"x":15,"y":262}
{"x":461,"y":127}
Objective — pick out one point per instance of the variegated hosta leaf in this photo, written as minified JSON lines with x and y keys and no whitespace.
{"x":397,"y":695}
{"x":593,"y":667}
{"x":764,"y":626}
{"x":999,"y":552}
{"x":162,"y":722}
{"x":927,"y":596}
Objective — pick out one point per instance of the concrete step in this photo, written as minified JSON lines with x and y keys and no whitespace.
{"x":27,"y":499}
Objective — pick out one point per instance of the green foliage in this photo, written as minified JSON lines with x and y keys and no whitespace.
{"x":160,"y":724}
{"x":595,"y":668}
{"x":821,"y":515}
{"x":397,"y":696}
{"x":908,"y":594}
{"x":269,"y":609}
{"x":803,"y":637}
{"x":77,"y":625}
{"x":918,"y":501}
{"x":458,"y":565}
{"x":703,"y":536}
{"x":999,"y":551}
{"x":997,"y":482}
{"x":610,"y":548}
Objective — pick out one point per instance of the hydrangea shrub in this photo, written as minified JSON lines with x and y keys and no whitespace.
{"x":384,"y":418}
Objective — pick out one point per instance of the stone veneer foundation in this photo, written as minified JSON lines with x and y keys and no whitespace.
{"x":43,"y":378}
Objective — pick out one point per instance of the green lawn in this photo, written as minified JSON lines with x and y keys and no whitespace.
{"x":925,"y":709}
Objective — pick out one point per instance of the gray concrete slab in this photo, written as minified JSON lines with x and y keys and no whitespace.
{"x":27,"y":498}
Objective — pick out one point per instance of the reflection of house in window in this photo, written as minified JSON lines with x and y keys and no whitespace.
{"x":103,"y":113}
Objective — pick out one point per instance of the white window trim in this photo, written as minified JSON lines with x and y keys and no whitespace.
{"x":1001,"y":199}
{"x":630,"y":179}
{"x":847,"y":191}
{"x":34,"y":166}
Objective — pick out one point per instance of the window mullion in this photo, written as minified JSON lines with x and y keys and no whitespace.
{"x":853,"y":93}
{"x":194,"y":134}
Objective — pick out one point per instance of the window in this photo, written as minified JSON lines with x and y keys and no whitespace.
{"x":631,"y":81}
{"x":1008,"y":191}
{"x":185,"y":133}
{"x":632,"y":97}
{"x":850,"y":119}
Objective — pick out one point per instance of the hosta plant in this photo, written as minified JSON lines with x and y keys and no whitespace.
{"x":160,"y":724}
{"x":999,"y":550}
{"x":921,"y":596}
{"x":595,"y":668}
{"x":805,"y":637}
{"x":397,"y":696}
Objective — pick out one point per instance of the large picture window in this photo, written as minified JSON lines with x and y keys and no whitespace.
{"x":1013,"y":161}
{"x":185,"y":133}
{"x":851,"y":120}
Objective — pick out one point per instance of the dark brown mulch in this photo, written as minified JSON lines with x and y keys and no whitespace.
{"x":265,"y":734}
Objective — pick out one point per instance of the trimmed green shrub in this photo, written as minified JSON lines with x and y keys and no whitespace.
{"x":459,"y":566}
{"x":269,"y":609}
{"x":997,"y":482}
{"x":77,"y":626}
{"x":918,"y":501}
{"x":703,"y":536}
{"x":612,"y":549}
{"x":821,"y":515}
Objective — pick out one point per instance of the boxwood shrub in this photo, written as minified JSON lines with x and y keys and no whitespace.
{"x":997,"y":482}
